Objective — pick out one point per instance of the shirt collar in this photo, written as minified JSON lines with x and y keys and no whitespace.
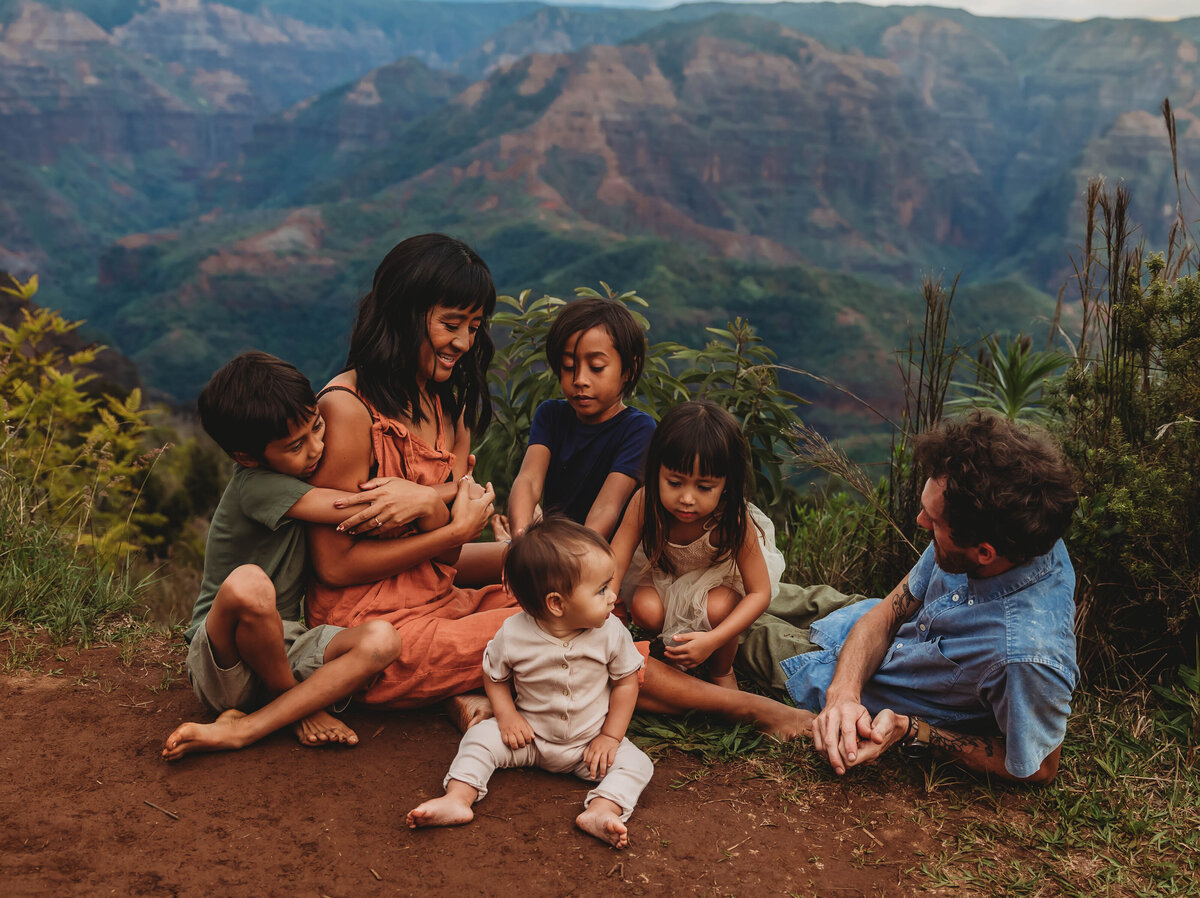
{"x":1012,"y":580}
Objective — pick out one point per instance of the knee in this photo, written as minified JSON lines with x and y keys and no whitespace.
{"x":248,"y":591}
{"x":721,"y":601}
{"x":648,"y":614}
{"x":380,"y":642}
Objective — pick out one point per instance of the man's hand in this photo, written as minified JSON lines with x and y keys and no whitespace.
{"x":600,"y":754}
{"x":837,"y":732}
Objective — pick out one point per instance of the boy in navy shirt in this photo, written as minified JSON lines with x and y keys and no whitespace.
{"x":586,"y":452}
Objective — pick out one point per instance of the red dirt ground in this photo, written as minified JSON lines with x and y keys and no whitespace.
{"x":89,"y":809}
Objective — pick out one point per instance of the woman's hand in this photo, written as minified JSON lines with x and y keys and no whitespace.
{"x":473,"y":506}
{"x":391,"y":504}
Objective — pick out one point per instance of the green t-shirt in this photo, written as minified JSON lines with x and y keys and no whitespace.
{"x":250,"y":526}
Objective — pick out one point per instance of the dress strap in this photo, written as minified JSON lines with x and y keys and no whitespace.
{"x":374,"y":469}
{"x":332,"y":387}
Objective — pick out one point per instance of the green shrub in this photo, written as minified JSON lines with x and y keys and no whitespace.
{"x":71,"y":468}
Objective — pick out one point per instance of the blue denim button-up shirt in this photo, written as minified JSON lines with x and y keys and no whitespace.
{"x":993,"y":655}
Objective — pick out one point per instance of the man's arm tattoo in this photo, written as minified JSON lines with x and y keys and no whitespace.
{"x":904,"y":604}
{"x":960,"y":743}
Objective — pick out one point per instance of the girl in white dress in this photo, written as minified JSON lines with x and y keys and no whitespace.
{"x":701,"y":560}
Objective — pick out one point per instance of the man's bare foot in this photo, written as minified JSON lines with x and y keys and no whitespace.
{"x":444,"y":811}
{"x":467,"y":710}
{"x":223,"y":734}
{"x":725,"y":680}
{"x":500,"y":528}
{"x":602,"y":819}
{"x":322,"y":728}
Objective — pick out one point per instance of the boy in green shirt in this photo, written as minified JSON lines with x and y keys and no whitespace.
{"x":249,"y":651}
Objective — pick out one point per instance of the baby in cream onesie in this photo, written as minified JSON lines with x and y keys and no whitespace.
{"x":574,"y":670}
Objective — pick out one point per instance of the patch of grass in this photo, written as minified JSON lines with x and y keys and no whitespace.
{"x":1122,"y":818}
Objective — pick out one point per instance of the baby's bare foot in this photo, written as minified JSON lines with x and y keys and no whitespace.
{"x":467,"y":710}
{"x":220,"y":735}
{"x":444,"y":811}
{"x":602,"y":820}
{"x":322,"y":728}
{"x":725,"y":680}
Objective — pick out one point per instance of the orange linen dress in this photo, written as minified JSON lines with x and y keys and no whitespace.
{"x":443,"y":629}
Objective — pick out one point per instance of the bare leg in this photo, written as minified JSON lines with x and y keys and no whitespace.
{"x":669,"y":691}
{"x":480,"y":564}
{"x":602,"y":819}
{"x":352,"y":659}
{"x":467,"y":710}
{"x":721,"y":601}
{"x":647,"y":609}
{"x":451,"y":809}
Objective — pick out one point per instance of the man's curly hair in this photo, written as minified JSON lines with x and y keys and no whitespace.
{"x":1005,"y":484}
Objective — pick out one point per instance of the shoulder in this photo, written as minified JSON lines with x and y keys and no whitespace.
{"x":639,"y":420}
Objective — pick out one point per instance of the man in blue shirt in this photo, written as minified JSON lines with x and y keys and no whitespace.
{"x":972,"y":655}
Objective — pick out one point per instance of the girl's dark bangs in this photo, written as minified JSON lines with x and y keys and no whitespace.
{"x":683,"y":447}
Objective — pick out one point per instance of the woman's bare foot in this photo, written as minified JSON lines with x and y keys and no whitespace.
{"x":726,"y":680}
{"x":500,"y":528}
{"x":467,"y":710}
{"x":602,"y":819}
{"x":452,"y":809}
{"x":222,"y":734}
{"x":322,"y":728}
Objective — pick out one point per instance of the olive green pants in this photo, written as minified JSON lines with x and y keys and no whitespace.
{"x":782,"y":631}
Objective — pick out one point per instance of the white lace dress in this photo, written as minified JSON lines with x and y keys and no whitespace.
{"x":685,"y":594}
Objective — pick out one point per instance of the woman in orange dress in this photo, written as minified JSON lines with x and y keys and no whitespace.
{"x":413,"y":391}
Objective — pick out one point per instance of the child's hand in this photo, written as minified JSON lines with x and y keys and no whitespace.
{"x":391,"y":503}
{"x":600,"y":754}
{"x":472,"y":508}
{"x":515,"y":730}
{"x":688,"y":650}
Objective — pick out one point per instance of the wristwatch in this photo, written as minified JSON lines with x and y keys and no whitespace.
{"x":915,"y":741}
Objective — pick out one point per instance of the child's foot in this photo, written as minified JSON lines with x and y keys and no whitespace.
{"x":601,"y":821}
{"x":467,"y":710}
{"x":725,"y":680}
{"x":500,"y":528}
{"x":444,"y":811}
{"x":222,"y":734}
{"x":322,"y":728}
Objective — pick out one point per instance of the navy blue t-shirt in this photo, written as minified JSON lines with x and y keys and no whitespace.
{"x":583,"y":455}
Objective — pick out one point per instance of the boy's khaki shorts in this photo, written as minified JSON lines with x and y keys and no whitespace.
{"x":220,"y":689}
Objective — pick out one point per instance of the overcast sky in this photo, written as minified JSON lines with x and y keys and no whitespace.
{"x":1071,"y":9}
{"x":1053,"y":9}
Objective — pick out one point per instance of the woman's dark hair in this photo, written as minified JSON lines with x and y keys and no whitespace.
{"x":547,"y":558}
{"x":392,"y":324}
{"x":697,"y":431}
{"x":584,"y":314}
{"x":1005,"y":484}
